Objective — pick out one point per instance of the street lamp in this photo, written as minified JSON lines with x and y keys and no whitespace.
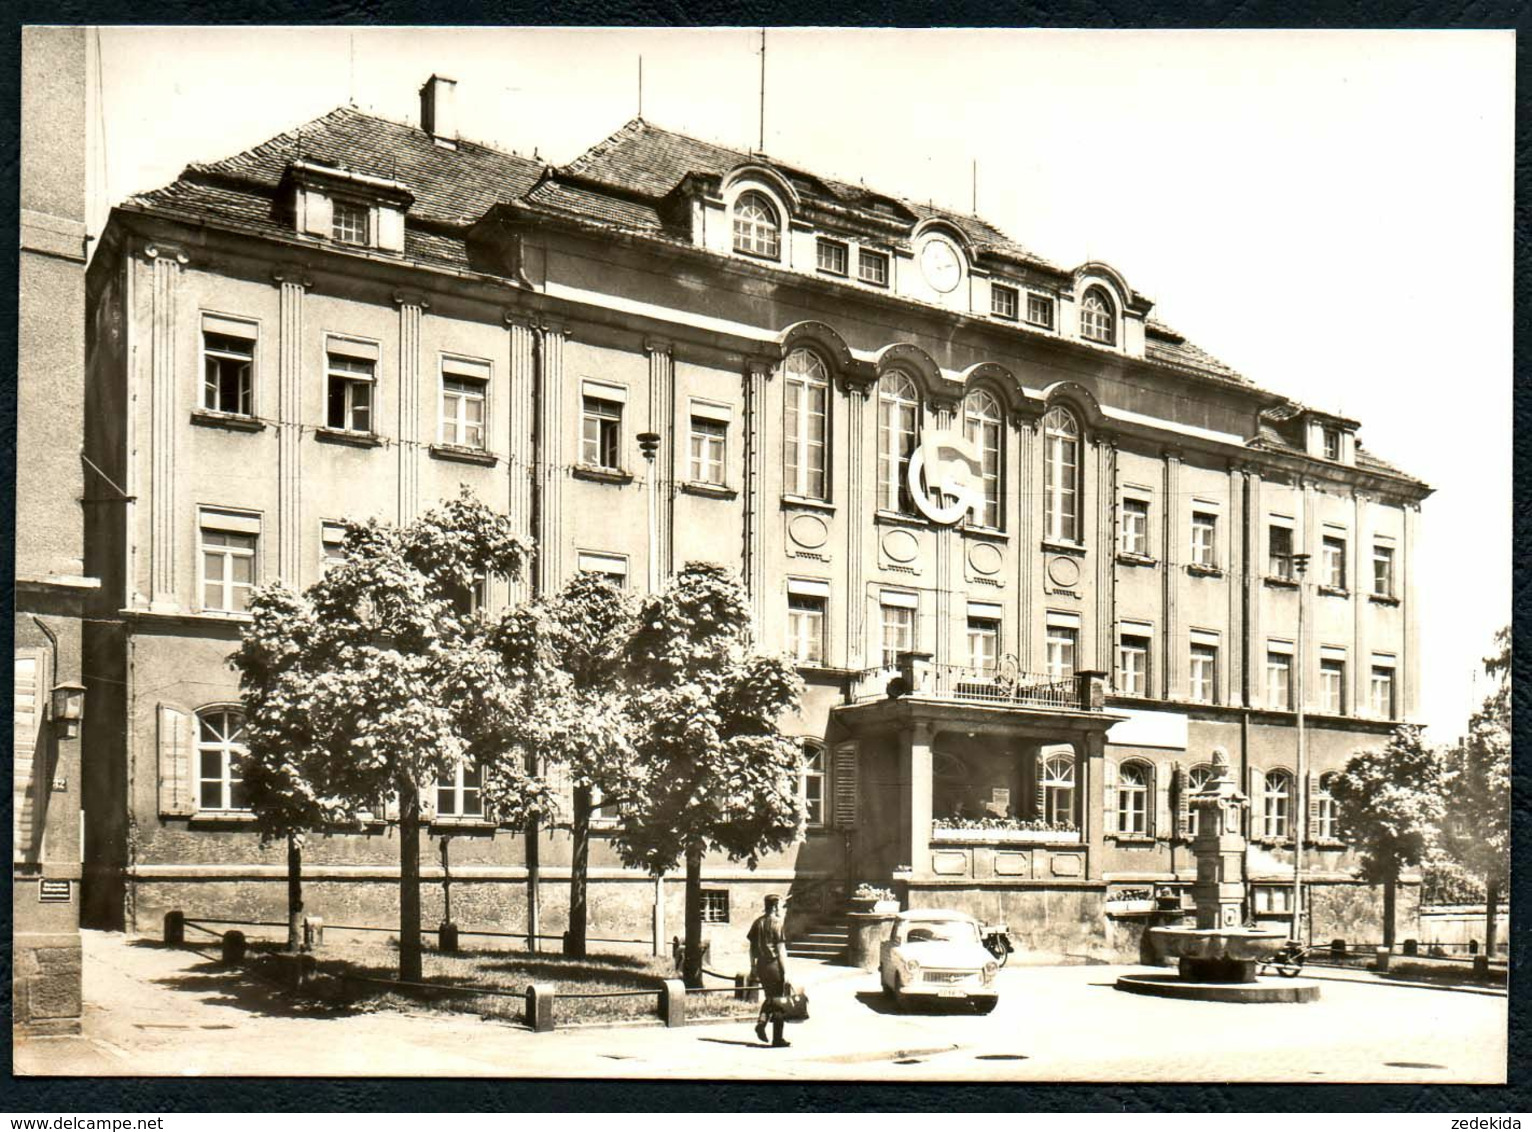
{"x":67,"y":708}
{"x":1299,"y":799}
{"x":649,"y":445}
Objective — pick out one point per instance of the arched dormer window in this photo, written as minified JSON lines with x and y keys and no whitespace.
{"x":1098,"y":317}
{"x":805,"y":425}
{"x":898,"y":434}
{"x":220,"y":746}
{"x":757,"y":231}
{"x":1061,"y":475}
{"x":982,"y":424}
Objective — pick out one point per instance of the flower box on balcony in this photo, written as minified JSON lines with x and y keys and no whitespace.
{"x":1000,"y":833}
{"x":1129,"y":907}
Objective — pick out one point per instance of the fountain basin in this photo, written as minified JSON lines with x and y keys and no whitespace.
{"x":1218,"y":955}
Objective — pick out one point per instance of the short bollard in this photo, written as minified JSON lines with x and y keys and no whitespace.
{"x":233,"y":947}
{"x":313,"y":933}
{"x":540,"y":1007}
{"x":1338,"y":948}
{"x":1412,"y":947}
{"x":673,"y":1002}
{"x":446,"y":937}
{"x":1481,"y":966}
{"x":175,"y":928}
{"x":1382,"y":958}
{"x":745,"y":990}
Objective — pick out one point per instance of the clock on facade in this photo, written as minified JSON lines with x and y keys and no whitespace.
{"x":940,"y":265}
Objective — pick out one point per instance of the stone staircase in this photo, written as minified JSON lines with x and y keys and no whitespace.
{"x":825,"y":941}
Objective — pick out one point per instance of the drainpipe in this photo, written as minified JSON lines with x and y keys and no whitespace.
{"x":1300,"y":800}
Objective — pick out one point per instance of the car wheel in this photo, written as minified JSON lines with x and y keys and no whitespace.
{"x":985,"y":1005}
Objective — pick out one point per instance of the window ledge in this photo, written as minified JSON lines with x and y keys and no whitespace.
{"x":1074,"y":548}
{"x":709,"y":490}
{"x":1331,"y":591}
{"x":464,"y":455}
{"x":327,"y":435}
{"x":1198,"y":571}
{"x":1276,"y":581}
{"x":991,"y":534}
{"x":898,"y":519}
{"x":464,"y":825}
{"x":221,"y":817}
{"x":1383,"y":599}
{"x":1128,"y":558}
{"x":761,"y":256}
{"x":601,"y":475}
{"x":808,"y":504}
{"x":225,"y":615}
{"x":831,"y":274}
{"x":1133,"y":840}
{"x":233,"y":422}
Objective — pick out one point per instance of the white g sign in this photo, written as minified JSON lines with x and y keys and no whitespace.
{"x":946,"y":476}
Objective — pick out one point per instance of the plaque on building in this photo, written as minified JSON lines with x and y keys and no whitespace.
{"x":51,"y":891}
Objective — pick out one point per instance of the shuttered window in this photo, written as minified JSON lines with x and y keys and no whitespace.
{"x":844,"y":784}
{"x":27,"y":705}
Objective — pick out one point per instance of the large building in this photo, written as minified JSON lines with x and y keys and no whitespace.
{"x":1036,"y":554}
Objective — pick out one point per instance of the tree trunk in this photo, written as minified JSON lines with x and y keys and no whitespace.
{"x":409,"y":882}
{"x":1491,"y":906}
{"x":579,"y":869}
{"x":1390,"y":885}
{"x":691,"y":963}
{"x":294,"y":893}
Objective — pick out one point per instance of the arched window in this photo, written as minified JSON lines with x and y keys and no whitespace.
{"x":805,"y":425}
{"x":756,"y":229}
{"x":812,"y":787}
{"x":982,"y":425}
{"x":1197,"y":780}
{"x":1133,"y":786}
{"x":1322,"y":823}
{"x":1061,"y":475}
{"x":220,"y":746}
{"x":1277,"y":804}
{"x":1059,"y":790}
{"x":898,"y":433}
{"x":1098,"y":317}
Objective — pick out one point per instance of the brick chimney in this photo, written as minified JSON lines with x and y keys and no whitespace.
{"x":438,"y":109}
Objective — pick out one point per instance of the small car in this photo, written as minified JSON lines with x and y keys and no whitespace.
{"x":938,"y":955}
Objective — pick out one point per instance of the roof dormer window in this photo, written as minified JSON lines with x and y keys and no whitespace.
{"x":1098,"y":318}
{"x":349,"y":223}
{"x":348,"y":208}
{"x":756,"y":228}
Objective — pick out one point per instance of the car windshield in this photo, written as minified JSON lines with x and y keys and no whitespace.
{"x":941,"y":931}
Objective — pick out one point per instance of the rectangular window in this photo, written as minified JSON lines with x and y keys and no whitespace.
{"x":332,"y":545}
{"x":898,"y":627}
{"x":1382,"y":570}
{"x":983,"y":644}
{"x":1003,"y":300}
{"x":806,"y":624}
{"x":1280,"y":551}
{"x":1279,"y":683}
{"x":813,"y":784}
{"x":832,"y":257}
{"x":226,"y":547}
{"x":1040,"y":310}
{"x":1205,"y":539}
{"x":1332,"y":444}
{"x":1383,"y":690}
{"x":459,"y":792}
{"x":1133,"y":664}
{"x":465,"y":393}
{"x":872,"y":267}
{"x":715,"y":906}
{"x":351,"y":379}
{"x":350,"y":222}
{"x":614,"y":566}
{"x":1332,"y":685}
{"x":1062,"y":643}
{"x":706,"y":452}
{"x":1134,"y":536}
{"x":1273,"y":898}
{"x":228,"y":365}
{"x":600,"y":433}
{"x":1203,"y":674}
{"x":1334,"y":562}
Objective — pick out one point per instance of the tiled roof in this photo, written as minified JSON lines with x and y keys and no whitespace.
{"x":576,"y":200}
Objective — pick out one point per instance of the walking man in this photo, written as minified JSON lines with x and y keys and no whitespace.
{"x":768,"y":962}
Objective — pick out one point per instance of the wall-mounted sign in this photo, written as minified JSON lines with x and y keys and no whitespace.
{"x":945,"y":474}
{"x":54,"y":891}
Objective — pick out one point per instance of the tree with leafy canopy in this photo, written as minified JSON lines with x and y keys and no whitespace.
{"x":714,"y":771}
{"x":569,"y":656}
{"x":1389,"y":804}
{"x":1477,"y":830}
{"x":379,"y":679}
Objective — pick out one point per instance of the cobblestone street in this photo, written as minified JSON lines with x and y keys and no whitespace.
{"x":172,"y":1013}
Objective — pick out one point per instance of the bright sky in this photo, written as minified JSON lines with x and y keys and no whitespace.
{"x":1330,"y":213}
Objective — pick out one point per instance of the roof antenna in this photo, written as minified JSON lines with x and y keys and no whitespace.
{"x":976,"y":186}
{"x":761,"y":148}
{"x":351,"y":77}
{"x":640,"y":88}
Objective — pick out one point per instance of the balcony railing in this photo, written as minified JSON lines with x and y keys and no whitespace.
{"x":1002,"y":685}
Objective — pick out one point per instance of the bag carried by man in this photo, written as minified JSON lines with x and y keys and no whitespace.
{"x":795,"y":1004}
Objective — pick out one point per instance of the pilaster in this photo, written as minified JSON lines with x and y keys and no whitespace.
{"x":1359,"y":671}
{"x":1409,"y":661}
{"x":915,"y":794}
{"x":166,"y":264}
{"x":856,"y":394}
{"x":1230,"y":667}
{"x":757,"y":373}
{"x":1027,"y":481}
{"x":550,"y":458}
{"x":409,"y":441}
{"x":292,"y":283}
{"x":943,"y":413}
{"x":1089,"y":779}
{"x":1252,"y":648}
{"x":1308,"y":661}
{"x":1170,"y":622}
{"x":662,"y":420}
{"x":1106,"y":550}
{"x":522,"y":408}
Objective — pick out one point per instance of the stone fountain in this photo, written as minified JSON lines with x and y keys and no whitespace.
{"x":1218,"y":956}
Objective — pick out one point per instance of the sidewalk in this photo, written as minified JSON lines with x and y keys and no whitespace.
{"x":154,"y":1011}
